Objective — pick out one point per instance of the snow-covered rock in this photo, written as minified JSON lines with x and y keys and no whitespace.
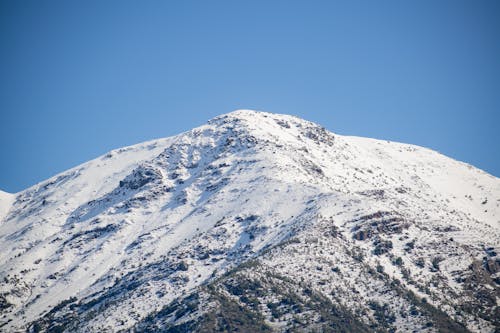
{"x":272,"y":218}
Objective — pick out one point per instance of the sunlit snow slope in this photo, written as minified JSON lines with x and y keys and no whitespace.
{"x":6,"y":200}
{"x":392,"y":236}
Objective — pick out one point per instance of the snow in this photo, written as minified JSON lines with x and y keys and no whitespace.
{"x":6,"y":200}
{"x":228,"y":191}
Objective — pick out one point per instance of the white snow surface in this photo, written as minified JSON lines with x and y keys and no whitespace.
{"x":6,"y":200}
{"x":244,"y":182}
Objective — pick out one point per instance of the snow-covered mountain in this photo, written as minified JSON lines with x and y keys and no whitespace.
{"x":255,"y":222}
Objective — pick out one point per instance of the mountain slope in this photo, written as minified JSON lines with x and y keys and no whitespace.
{"x":271,"y":216}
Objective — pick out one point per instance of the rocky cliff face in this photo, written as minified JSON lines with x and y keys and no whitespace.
{"x":256,"y":222}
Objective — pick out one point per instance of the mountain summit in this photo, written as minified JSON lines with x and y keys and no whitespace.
{"x":255,"y":222}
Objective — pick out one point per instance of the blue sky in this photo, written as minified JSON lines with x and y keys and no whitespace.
{"x":79,"y":78}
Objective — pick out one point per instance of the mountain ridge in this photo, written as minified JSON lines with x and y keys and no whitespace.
{"x":145,"y":226}
{"x":243,"y":114}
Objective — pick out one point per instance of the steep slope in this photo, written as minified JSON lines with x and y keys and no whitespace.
{"x":272,"y":217}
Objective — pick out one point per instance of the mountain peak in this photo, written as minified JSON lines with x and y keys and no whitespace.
{"x":268,"y":127}
{"x":246,"y":116}
{"x":243,"y":113}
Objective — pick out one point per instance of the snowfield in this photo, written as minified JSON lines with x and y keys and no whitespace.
{"x":255,"y":222}
{"x":6,"y":200}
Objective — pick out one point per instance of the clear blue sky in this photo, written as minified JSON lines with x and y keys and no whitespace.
{"x":79,"y":78}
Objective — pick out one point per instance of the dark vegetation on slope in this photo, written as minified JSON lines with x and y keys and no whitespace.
{"x":242,"y":300}
{"x":239,"y":303}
